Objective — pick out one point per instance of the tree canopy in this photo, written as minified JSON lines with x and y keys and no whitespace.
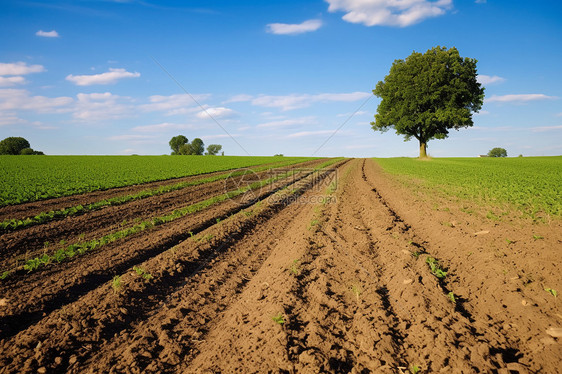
{"x":213,"y":149}
{"x":426,"y":95}
{"x":17,"y":146}
{"x":176,"y":142}
{"x":181,"y":146}
{"x":497,"y":152}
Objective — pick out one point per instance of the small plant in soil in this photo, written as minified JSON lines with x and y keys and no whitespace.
{"x":142,"y":273}
{"x":116,"y":284}
{"x":356,"y":291}
{"x":279,"y":318}
{"x":313,"y":223}
{"x":435,"y":268}
{"x":294,"y":268}
{"x":509,"y":241}
{"x":414,"y":369}
{"x":551,"y":291}
{"x":536,"y":237}
{"x":5,"y":275}
{"x":452,"y":297}
{"x":416,"y":254}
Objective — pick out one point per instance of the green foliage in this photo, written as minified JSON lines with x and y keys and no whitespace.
{"x":197,"y":147}
{"x":213,"y":149}
{"x":452,"y":297}
{"x":414,"y":369}
{"x":29,"y":178}
{"x":142,"y":273}
{"x":279,"y":318}
{"x":435,"y":268}
{"x":497,"y":152}
{"x":530,"y":184}
{"x":116,"y":284}
{"x":13,"y":145}
{"x":426,"y":95}
{"x":551,"y":291}
{"x":176,"y":142}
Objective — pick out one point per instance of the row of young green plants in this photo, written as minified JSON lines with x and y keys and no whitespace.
{"x":72,"y":250}
{"x":13,"y":224}
{"x":27,"y":179}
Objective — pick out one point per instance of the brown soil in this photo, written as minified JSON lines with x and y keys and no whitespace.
{"x":347,"y":278}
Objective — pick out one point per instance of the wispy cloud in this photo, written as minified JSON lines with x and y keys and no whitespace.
{"x":102,"y":106}
{"x":47,"y":34}
{"x":546,"y":128}
{"x":174,"y":104}
{"x":289,"y":122}
{"x":302,"y":134}
{"x":19,"y":68}
{"x":294,"y":29}
{"x":18,"y":99}
{"x":110,"y":77}
{"x":166,"y":126}
{"x":389,"y":12}
{"x":489,"y":79}
{"x":296,"y":101}
{"x":216,"y":112}
{"x":11,"y":81}
{"x":520,"y":98}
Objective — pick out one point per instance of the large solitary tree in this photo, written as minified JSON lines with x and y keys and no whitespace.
{"x":16,"y":145}
{"x":426,"y":95}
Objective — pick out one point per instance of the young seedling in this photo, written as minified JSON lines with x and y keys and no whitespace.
{"x":295,"y":267}
{"x":279,"y":318}
{"x":451,"y":297}
{"x":313,"y":223}
{"x":416,"y":254}
{"x":536,"y":237}
{"x":356,"y":291}
{"x":551,"y":291}
{"x":116,"y":284}
{"x":142,"y":273}
{"x":5,"y":275}
{"x":509,"y":241}
{"x":435,"y":268}
{"x":218,"y":220}
{"x":414,"y":369}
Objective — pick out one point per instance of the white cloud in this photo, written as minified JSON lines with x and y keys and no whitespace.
{"x":216,"y":112}
{"x":102,"y":106}
{"x":112,"y":76}
{"x":18,"y":99}
{"x":294,"y":29}
{"x":389,"y":12}
{"x":239,"y":98}
{"x":489,"y":79}
{"x":302,"y":134}
{"x":359,"y":113}
{"x":289,"y":122}
{"x":218,"y":136}
{"x":19,"y":68}
{"x":296,"y":101}
{"x":546,"y":128}
{"x":11,"y":81}
{"x":166,"y":126}
{"x":174,"y":104}
{"x":47,"y":34}
{"x":132,"y":138}
{"x":521,"y":98}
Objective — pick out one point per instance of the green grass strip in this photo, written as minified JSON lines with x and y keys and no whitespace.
{"x":43,"y":217}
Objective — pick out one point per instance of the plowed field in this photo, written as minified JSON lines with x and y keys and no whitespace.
{"x":325,"y":268}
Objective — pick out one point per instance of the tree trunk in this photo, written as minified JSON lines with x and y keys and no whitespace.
{"x":423,"y":149}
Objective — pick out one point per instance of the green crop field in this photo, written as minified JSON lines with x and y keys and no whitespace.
{"x":24,"y":179}
{"x":530,"y":184}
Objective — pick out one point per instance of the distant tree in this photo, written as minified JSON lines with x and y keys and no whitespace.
{"x":13,"y":146}
{"x":426,"y":95}
{"x":176,"y":142}
{"x":185,"y":149}
{"x":197,"y":147}
{"x":497,"y":152}
{"x":278,"y":155}
{"x":213,"y":149}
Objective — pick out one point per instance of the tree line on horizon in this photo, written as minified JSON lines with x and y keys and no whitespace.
{"x":181,"y":146}
{"x":16,"y":145}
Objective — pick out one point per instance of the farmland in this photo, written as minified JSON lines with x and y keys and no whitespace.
{"x":294,"y":265}
{"x":24,"y":179}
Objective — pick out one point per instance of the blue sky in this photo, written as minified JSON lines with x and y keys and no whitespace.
{"x":123,"y":77}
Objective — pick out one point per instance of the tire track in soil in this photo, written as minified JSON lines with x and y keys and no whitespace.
{"x":58,"y":349}
{"x":31,"y":298}
{"x":28,"y":242}
{"x":474,"y":342}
